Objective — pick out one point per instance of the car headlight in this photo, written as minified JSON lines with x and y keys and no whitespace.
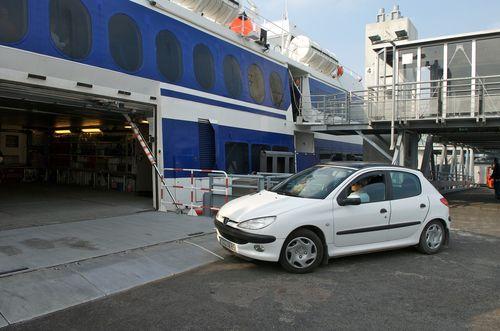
{"x":219,"y":217}
{"x":257,"y":223}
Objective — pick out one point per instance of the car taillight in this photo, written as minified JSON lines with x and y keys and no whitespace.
{"x":444,"y":202}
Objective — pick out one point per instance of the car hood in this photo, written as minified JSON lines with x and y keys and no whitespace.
{"x":262,"y":204}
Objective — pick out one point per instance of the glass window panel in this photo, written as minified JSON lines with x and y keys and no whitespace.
{"x":432,"y":63}
{"x":204,"y":68}
{"x":369,"y":188}
{"x":405,"y":185}
{"x":277,"y":90}
{"x":169,"y":55}
{"x":256,"y":83}
{"x":459,"y":66}
{"x":313,"y":183}
{"x":488,"y":59}
{"x":13,"y":20}
{"x":407,"y":66}
{"x":431,"y":74}
{"x":71,"y":28}
{"x":125,"y":42}
{"x":232,"y":76}
{"x":488,"y":64}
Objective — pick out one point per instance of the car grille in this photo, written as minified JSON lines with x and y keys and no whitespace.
{"x":224,"y":230}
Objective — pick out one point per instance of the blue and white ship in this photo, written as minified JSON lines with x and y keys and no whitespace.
{"x":214,"y":97}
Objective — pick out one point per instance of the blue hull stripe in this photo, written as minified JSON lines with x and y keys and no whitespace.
{"x":217,"y":103}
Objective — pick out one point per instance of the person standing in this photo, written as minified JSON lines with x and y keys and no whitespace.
{"x":495,"y":176}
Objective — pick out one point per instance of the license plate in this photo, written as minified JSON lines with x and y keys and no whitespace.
{"x":227,"y":244}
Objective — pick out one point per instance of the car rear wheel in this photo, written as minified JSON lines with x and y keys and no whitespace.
{"x":302,"y":252}
{"x":432,"y":238}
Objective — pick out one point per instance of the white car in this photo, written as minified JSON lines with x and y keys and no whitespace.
{"x":334,"y":210}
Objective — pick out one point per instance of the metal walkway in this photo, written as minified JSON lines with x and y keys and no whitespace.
{"x":437,"y":126}
{"x":455,"y":111}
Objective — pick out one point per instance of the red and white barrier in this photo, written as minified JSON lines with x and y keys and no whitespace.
{"x":149,"y":154}
{"x":193,"y":188}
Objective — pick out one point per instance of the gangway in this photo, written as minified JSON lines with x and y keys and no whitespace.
{"x":465,"y":117}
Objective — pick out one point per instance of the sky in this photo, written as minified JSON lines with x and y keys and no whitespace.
{"x":339,"y":25}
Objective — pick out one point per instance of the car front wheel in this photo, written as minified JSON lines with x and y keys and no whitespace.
{"x":302,"y":252}
{"x":432,"y":238}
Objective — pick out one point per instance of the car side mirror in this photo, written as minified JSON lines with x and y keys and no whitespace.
{"x":352,"y":200}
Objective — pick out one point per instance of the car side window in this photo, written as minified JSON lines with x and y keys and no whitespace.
{"x":369,"y":189}
{"x":404,"y":185}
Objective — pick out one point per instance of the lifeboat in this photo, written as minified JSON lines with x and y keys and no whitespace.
{"x":220,"y":11}
{"x":304,"y":50}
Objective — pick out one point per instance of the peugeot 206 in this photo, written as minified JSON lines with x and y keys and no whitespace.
{"x":333,"y":210}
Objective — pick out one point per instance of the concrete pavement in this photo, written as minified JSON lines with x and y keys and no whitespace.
{"x":63,"y":265}
{"x":476,"y":211}
{"x":402,"y":289}
{"x":397,"y":290}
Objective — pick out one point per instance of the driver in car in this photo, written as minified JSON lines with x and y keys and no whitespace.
{"x":358,"y":191}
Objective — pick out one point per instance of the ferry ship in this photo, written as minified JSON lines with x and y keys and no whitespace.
{"x":210,"y":83}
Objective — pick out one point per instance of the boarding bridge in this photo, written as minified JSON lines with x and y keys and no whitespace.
{"x":456,"y":101}
{"x":435,"y":126}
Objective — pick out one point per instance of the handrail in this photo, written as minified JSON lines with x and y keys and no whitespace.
{"x":193,"y":188}
{"x":464,"y":97}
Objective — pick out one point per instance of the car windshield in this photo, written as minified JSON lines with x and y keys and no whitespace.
{"x":314,"y":183}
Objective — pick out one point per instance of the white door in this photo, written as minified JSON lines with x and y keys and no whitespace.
{"x":365,"y":223}
{"x":408,"y":204}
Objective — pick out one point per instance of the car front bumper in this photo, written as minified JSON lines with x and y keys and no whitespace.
{"x":254,"y":246}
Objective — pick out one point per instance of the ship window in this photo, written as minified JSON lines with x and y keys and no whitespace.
{"x":13,"y":20}
{"x":277,"y":90}
{"x":169,"y":55}
{"x":204,"y":69}
{"x":232,"y":76}
{"x":256,"y":83}
{"x":236,"y":158}
{"x":71,"y":28}
{"x":125,"y":42}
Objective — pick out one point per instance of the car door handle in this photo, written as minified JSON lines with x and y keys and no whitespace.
{"x":422,"y":205}
{"x":383,"y":211}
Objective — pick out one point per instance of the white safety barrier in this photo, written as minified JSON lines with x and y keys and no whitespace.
{"x":193,"y":188}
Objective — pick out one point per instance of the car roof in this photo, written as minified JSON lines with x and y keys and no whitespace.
{"x":359,"y":165}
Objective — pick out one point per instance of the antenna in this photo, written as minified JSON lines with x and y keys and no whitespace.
{"x":285,"y":20}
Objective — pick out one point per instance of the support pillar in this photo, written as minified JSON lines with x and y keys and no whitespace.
{"x":453,"y":163}
{"x":408,"y":150}
{"x":472,"y":164}
{"x":461,"y":163}
{"x":427,"y":166}
{"x":443,"y":162}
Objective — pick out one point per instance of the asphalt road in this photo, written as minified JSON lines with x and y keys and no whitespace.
{"x":457,"y":289}
{"x":403,"y":289}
